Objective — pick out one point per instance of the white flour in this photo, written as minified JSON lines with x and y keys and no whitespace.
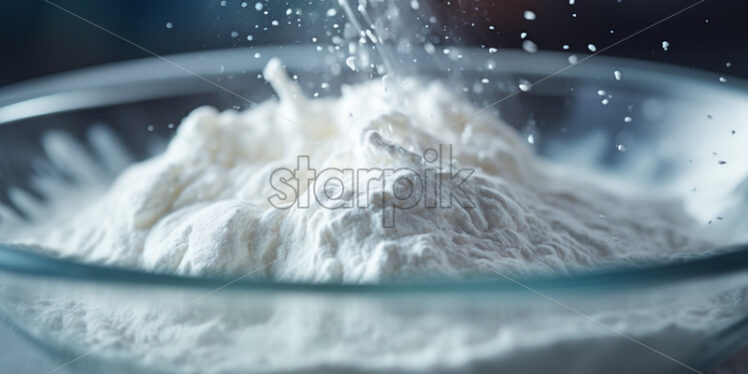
{"x":202,"y":206}
{"x":240,"y":332}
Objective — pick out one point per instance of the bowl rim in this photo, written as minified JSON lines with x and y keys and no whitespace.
{"x":22,"y":101}
{"x":731,"y":260}
{"x":123,"y":81}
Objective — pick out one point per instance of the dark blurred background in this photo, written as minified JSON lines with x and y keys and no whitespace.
{"x":39,"y":39}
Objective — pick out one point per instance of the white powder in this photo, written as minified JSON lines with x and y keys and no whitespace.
{"x":202,"y":206}
{"x":236,"y":332}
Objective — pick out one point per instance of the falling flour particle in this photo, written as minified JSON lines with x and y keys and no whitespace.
{"x":529,"y":46}
{"x":430,"y":49}
{"x":351,"y":62}
{"x":524,"y":85}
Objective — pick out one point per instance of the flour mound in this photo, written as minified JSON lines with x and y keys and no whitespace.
{"x":205,"y":205}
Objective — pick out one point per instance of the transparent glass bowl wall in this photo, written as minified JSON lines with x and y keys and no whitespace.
{"x":676,"y":116}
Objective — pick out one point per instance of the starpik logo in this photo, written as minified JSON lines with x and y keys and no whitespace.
{"x":434,"y":184}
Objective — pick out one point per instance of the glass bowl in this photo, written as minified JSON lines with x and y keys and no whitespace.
{"x":670,"y":130}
